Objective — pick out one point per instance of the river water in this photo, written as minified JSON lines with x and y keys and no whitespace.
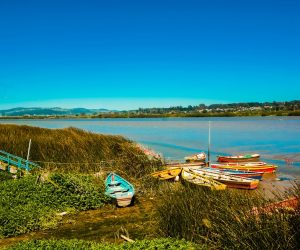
{"x":277,"y":139}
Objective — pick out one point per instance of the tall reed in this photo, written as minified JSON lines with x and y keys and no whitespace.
{"x":224,"y":220}
{"x":76,"y":150}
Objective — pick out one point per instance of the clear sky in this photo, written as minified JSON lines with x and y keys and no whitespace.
{"x":124,"y":54}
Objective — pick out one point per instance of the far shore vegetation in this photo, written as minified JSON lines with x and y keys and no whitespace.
{"x":291,"y":108}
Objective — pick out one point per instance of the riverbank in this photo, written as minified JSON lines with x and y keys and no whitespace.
{"x":36,"y":204}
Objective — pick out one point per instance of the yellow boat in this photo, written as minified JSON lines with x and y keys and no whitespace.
{"x":263,"y":168}
{"x":200,"y":180}
{"x":167,"y":174}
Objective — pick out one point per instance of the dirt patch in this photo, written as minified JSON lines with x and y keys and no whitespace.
{"x":102,"y":225}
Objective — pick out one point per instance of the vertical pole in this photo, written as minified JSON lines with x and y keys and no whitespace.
{"x":28,"y":152}
{"x":208,"y":153}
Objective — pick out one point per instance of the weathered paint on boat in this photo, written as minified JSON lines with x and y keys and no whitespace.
{"x":241,"y":173}
{"x":264,"y":169}
{"x":247,"y":164}
{"x":167,"y":174}
{"x":202,"y":181}
{"x":287,"y":204}
{"x":185,"y":165}
{"x":229,"y":180}
{"x":239,"y":158}
{"x":120,"y":189}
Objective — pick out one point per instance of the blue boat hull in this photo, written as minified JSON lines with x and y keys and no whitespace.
{"x":119,"y":189}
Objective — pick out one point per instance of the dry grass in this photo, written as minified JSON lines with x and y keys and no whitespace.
{"x":223,"y":219}
{"x":75,"y":150}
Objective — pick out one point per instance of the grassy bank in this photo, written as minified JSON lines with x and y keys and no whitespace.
{"x":34,"y":201}
{"x":75,"y":150}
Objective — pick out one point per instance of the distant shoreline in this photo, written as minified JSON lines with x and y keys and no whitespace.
{"x":173,"y":115}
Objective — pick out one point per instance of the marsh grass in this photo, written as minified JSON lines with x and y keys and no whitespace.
{"x":76,"y":150}
{"x":223,"y":219}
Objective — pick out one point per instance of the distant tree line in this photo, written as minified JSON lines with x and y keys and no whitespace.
{"x":219,"y":108}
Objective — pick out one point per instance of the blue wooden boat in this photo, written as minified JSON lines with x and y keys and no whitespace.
{"x":118,"y":188}
{"x":240,"y":173}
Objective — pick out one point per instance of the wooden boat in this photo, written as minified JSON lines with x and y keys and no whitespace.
{"x":239,"y":158}
{"x":167,"y":174}
{"x":229,"y":180}
{"x":199,"y":157}
{"x":185,"y":165}
{"x":240,"y":173}
{"x":118,"y":188}
{"x":288,"y":204}
{"x":247,"y":164}
{"x":202,"y":181}
{"x":264,"y":169}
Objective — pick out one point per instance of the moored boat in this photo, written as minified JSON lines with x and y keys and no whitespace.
{"x":241,"y":173}
{"x":239,"y":158}
{"x":199,"y":157}
{"x":247,"y":164}
{"x":229,"y":180}
{"x":264,"y":168}
{"x":202,"y":181}
{"x":185,"y":165}
{"x":167,"y":174}
{"x":118,"y":188}
{"x":288,"y":204}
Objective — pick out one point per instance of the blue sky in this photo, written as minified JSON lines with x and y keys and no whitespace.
{"x":129,"y":54}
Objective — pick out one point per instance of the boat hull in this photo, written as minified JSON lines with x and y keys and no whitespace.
{"x":264,"y":169}
{"x":200,"y":157}
{"x":240,"y":173}
{"x":167,"y":174}
{"x":202,"y":181}
{"x":229,"y":180}
{"x":119,"y":189}
{"x":239,"y":158}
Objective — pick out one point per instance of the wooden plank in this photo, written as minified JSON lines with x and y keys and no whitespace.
{"x":126,"y":238}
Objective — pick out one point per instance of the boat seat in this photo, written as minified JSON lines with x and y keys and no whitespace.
{"x":121,"y":190}
{"x":114,"y":185}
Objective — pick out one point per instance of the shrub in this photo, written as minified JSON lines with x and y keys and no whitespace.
{"x":27,"y":204}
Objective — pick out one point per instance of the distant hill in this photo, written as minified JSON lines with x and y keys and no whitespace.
{"x":50,"y":111}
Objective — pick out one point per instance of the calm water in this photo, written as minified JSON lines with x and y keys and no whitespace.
{"x":277,"y":139}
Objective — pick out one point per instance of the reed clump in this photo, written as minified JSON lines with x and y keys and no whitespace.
{"x":76,"y":150}
{"x":225,"y":220}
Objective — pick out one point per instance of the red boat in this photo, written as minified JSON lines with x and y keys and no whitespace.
{"x":239,"y":158}
{"x":290,"y":203}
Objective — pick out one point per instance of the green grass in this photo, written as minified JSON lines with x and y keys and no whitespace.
{"x":75,"y":150}
{"x":32,"y":202}
{"x":223,"y":219}
{"x":157,"y":244}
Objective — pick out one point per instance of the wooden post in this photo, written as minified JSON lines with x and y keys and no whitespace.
{"x":28,"y":152}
